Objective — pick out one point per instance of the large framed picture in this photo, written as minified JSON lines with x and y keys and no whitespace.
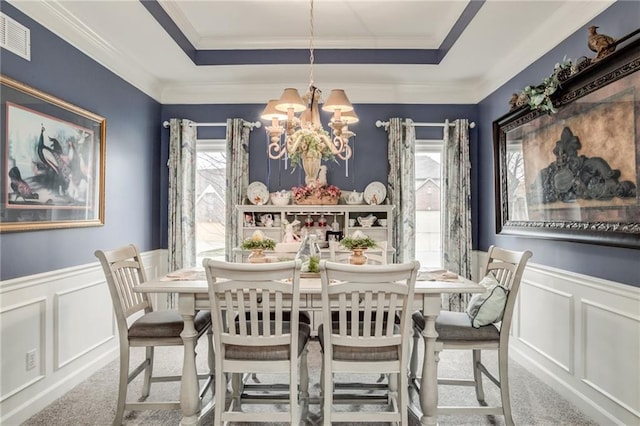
{"x":574,"y":175}
{"x":53,"y":161}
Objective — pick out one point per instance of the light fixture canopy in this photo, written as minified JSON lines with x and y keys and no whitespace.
{"x":300,"y":130}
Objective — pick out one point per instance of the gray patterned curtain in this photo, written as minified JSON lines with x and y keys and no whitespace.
{"x":182,"y":178}
{"x":401,"y":187}
{"x":237,"y":179}
{"x":456,"y":199}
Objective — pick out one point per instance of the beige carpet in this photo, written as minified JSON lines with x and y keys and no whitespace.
{"x":93,"y":401}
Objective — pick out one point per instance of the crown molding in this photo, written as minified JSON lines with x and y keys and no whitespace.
{"x":563,"y":23}
{"x":52,"y":15}
{"x":382,"y":93}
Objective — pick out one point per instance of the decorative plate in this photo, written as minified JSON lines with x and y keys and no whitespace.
{"x":375,"y":193}
{"x":258,"y":193}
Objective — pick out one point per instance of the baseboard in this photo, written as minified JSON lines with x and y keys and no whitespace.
{"x":41,"y":400}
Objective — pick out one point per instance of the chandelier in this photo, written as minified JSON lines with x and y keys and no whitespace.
{"x":303,"y":133}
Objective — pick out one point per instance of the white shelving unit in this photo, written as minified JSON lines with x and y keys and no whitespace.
{"x":249,"y":220}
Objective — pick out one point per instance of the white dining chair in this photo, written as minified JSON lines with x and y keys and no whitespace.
{"x":141,"y":326}
{"x":242,"y":296}
{"x":480,"y":329}
{"x":356,"y":338}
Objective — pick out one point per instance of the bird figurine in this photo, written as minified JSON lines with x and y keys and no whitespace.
{"x":602,"y":44}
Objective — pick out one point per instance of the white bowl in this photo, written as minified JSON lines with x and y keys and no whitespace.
{"x":352,"y":197}
{"x":280,"y":198}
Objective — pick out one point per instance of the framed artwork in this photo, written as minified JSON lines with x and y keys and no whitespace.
{"x":574,"y":175}
{"x":53,"y":161}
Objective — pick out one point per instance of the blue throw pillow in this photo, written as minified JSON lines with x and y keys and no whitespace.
{"x":488,"y":307}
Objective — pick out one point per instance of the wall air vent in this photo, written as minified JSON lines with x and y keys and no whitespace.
{"x":15,"y":37}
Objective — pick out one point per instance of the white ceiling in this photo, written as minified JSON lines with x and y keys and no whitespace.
{"x":501,"y":40}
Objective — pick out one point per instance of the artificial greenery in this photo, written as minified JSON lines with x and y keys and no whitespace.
{"x":351,"y":243}
{"x":314,"y":264}
{"x":539,"y":97}
{"x":258,"y":243}
{"x":309,"y":141}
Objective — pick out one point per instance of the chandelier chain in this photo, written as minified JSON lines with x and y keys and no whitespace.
{"x":311,"y":57}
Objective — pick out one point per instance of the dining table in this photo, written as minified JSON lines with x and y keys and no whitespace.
{"x":191,"y":288}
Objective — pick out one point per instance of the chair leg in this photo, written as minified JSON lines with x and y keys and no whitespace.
{"x":403,"y":399}
{"x":210,"y":360}
{"x":503,"y":365}
{"x":293,"y":392}
{"x":148,"y":373}
{"x":477,"y":376}
{"x":413,"y":362}
{"x":304,"y":375}
{"x":220,"y":394}
{"x":327,"y":391}
{"x":122,"y":384}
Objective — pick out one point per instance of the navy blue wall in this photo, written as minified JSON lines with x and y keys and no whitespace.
{"x":132,"y":159}
{"x":369,"y":160}
{"x":136,"y":174}
{"x":617,"y":264}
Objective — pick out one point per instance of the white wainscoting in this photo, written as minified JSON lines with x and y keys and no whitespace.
{"x":66,"y":317}
{"x":581,"y":335}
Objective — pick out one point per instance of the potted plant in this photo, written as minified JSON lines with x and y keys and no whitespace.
{"x":257,"y":243}
{"x":358,"y":243}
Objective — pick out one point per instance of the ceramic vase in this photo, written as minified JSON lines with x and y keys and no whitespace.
{"x":257,"y":256}
{"x":358,"y":257}
{"x":311,"y":166}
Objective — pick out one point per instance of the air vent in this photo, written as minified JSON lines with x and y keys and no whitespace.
{"x":15,"y":37}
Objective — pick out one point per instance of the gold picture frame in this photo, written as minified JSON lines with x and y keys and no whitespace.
{"x":53,"y":156}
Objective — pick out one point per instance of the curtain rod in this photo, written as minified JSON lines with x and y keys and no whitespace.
{"x":251,"y":124}
{"x":385,"y":124}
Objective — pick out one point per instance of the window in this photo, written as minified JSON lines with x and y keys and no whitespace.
{"x":428,"y":175}
{"x":211,"y":171}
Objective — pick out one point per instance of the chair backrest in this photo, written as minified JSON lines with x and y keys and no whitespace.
{"x":374,"y":294}
{"x":507,"y":267}
{"x":253,"y":291}
{"x":124,"y":270}
{"x":375,"y":255}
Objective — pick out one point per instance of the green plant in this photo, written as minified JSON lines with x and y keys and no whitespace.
{"x":258,"y":243}
{"x":351,"y":243}
{"x":539,"y":97}
{"x":312,"y":141}
{"x":314,"y":264}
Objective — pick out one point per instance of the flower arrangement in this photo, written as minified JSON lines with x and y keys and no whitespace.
{"x":316,"y":193}
{"x":358,"y":241}
{"x":309,"y":141}
{"x":258,"y":241}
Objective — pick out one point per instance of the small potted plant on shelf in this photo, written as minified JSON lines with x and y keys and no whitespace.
{"x":358,"y":243}
{"x":257,"y":243}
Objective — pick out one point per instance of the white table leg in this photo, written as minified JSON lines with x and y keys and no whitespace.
{"x":189,"y":398}
{"x":429,"y":381}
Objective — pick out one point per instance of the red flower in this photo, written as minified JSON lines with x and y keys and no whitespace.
{"x":312,"y":190}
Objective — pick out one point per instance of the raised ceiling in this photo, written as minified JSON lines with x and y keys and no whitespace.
{"x":421,"y":52}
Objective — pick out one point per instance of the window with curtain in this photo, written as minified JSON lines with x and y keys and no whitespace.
{"x":428,"y":181}
{"x":211,"y":164}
